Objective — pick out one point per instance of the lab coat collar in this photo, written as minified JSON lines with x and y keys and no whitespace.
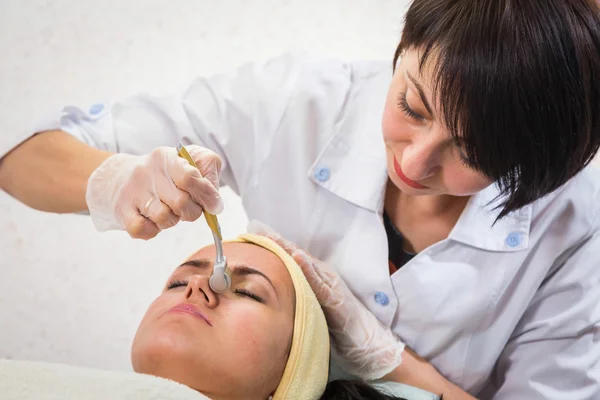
{"x":353,"y":167}
{"x":357,"y":178}
{"x":476,"y":226}
{"x":357,"y":173}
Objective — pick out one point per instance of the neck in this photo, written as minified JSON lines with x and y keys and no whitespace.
{"x":427,"y":206}
{"x":423,"y":220}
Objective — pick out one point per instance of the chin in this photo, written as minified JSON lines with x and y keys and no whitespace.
{"x":404,"y":188}
{"x":152,"y":351}
{"x":168,"y":362}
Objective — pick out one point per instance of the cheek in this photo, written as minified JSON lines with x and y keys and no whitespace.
{"x":159,"y":306}
{"x":149,"y":323}
{"x":395,"y":126}
{"x":462,"y":181}
{"x":390,"y":122}
{"x":259,"y":338}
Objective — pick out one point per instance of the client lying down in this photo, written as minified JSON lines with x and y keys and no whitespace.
{"x":265,"y":338}
{"x":240,"y":344}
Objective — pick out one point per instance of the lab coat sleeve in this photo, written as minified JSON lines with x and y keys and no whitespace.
{"x":236,"y":114}
{"x":554,"y":353}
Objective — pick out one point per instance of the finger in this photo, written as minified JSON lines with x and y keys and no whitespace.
{"x":321,"y":289}
{"x":179,"y":201}
{"x":138,"y":226}
{"x":330,"y":300}
{"x":316,"y":270}
{"x":182,"y":205}
{"x":307,"y":268}
{"x":288,"y":246}
{"x":159,"y":213}
{"x":329,"y":278}
{"x":204,"y":193}
{"x":201,"y":190}
{"x":258,"y":228}
{"x":209,"y":163}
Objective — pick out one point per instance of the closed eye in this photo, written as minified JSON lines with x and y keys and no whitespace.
{"x":176,"y":283}
{"x":246,"y":293}
{"x":242,"y":292}
{"x":464,"y":159}
{"x":409,"y":112}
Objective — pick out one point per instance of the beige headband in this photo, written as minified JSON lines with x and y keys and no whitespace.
{"x":307,"y":369}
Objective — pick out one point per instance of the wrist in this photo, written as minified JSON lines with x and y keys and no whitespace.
{"x":416,"y":371}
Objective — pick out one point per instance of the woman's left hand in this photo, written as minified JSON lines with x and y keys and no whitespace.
{"x":364,"y":347}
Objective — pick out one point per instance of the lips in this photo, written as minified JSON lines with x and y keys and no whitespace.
{"x":189,"y":309}
{"x":404,"y":178}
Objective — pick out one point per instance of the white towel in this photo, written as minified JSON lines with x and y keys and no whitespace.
{"x":31,"y":380}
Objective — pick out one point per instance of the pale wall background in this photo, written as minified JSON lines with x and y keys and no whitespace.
{"x":67,"y":293}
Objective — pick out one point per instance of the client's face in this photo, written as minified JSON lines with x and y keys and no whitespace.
{"x":227,"y":346}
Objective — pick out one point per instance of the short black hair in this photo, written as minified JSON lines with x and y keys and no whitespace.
{"x":519,"y":85}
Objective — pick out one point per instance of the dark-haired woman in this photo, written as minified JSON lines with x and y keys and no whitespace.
{"x":465,"y":239}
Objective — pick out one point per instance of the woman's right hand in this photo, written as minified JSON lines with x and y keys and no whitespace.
{"x":146,"y":194}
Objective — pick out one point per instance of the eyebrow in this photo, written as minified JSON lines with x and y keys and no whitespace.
{"x":237,"y":269}
{"x":421,"y":92}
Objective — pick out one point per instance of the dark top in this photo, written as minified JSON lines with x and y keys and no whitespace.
{"x":397,"y":255}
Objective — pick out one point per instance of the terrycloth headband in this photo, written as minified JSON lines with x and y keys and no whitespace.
{"x":307,"y":369}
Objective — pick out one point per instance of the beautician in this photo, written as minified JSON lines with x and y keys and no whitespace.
{"x":469,"y":229}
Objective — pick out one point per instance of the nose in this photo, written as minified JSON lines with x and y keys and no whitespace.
{"x":198,"y":290}
{"x":420,"y":160}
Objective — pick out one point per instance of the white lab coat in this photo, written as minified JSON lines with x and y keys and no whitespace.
{"x":509,"y":311}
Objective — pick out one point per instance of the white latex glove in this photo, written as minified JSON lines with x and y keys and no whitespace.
{"x":364,"y":347}
{"x":146,"y":194}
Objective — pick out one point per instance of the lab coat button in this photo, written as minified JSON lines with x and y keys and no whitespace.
{"x":322,"y":174}
{"x":96,"y":109}
{"x":382,"y":299}
{"x":514,"y":239}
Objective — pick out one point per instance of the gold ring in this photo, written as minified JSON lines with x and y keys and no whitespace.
{"x":147,"y":206}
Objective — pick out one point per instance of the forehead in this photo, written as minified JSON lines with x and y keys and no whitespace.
{"x":255,"y":257}
{"x":411,"y":62}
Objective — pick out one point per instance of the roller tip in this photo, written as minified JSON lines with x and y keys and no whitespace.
{"x":219,"y":283}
